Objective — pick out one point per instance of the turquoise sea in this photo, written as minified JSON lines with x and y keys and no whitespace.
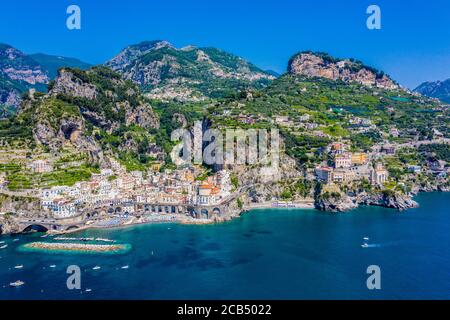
{"x":266,"y":254}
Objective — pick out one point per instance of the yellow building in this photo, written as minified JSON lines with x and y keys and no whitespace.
{"x":156,"y":166}
{"x":359,"y":158}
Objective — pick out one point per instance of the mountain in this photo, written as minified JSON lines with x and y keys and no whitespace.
{"x":53,"y":63}
{"x":92,"y":112}
{"x":319,"y":64}
{"x":187,"y":74}
{"x":436,"y":89}
{"x":322,"y":99}
{"x":20,"y":72}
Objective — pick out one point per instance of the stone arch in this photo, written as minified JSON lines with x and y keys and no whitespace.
{"x":35,"y":228}
{"x":72,"y":227}
{"x":204,"y":213}
{"x":217,"y":211}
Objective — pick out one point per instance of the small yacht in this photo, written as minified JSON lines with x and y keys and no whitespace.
{"x":88,"y":290}
{"x":96,"y":268}
{"x":52,"y":266}
{"x":16,"y":240}
{"x":125,"y":267}
{"x":4,"y":246}
{"x":17,"y":283}
{"x":20,"y":266}
{"x":365,"y":245}
{"x":366,"y":238}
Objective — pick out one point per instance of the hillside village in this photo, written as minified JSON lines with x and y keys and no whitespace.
{"x":94,"y":151}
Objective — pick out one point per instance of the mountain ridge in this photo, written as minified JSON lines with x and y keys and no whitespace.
{"x":189,"y":73}
{"x":435,"y":89}
{"x":20,"y":72}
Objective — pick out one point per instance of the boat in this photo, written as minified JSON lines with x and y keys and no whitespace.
{"x":365,"y":245}
{"x":16,"y":240}
{"x":17,"y":283}
{"x":366,"y":238}
{"x":4,"y":246}
{"x":20,"y":266}
{"x":88,"y":290}
{"x":96,"y":268}
{"x":2,"y":242}
{"x":52,"y":266}
{"x":125,"y":267}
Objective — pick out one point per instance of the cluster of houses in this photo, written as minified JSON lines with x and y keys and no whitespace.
{"x":348,"y":167}
{"x":114,"y":186}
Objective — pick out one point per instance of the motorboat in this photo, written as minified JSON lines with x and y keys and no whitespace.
{"x":17,"y":283}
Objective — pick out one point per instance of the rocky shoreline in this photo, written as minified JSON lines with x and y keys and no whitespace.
{"x":343,"y":203}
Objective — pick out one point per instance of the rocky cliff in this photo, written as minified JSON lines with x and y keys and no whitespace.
{"x":343,"y":202}
{"x":94,"y":111}
{"x":311,"y":64}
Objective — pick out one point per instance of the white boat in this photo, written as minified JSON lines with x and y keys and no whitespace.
{"x":17,"y":283}
{"x":125,"y":267}
{"x":365,"y":245}
{"x":88,"y":290}
{"x":366,"y":238}
{"x":20,"y":266}
{"x":16,"y":240}
{"x":96,"y":268}
{"x":52,"y":266}
{"x":2,"y":242}
{"x":4,"y":246}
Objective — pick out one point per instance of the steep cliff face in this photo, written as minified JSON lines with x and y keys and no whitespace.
{"x":389,"y":200}
{"x":322,"y":65}
{"x":190,"y":73}
{"x":341,"y":203}
{"x":94,"y":111}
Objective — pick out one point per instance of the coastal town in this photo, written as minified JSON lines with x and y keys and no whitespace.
{"x":95,"y":151}
{"x":114,"y":196}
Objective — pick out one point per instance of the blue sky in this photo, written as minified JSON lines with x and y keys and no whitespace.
{"x":413,"y":45}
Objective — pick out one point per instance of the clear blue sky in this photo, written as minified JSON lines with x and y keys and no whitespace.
{"x":413,"y":45}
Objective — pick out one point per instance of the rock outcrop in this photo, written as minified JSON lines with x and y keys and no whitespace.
{"x":341,"y":203}
{"x":66,"y":83}
{"x":311,"y":64}
{"x":389,"y":200}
